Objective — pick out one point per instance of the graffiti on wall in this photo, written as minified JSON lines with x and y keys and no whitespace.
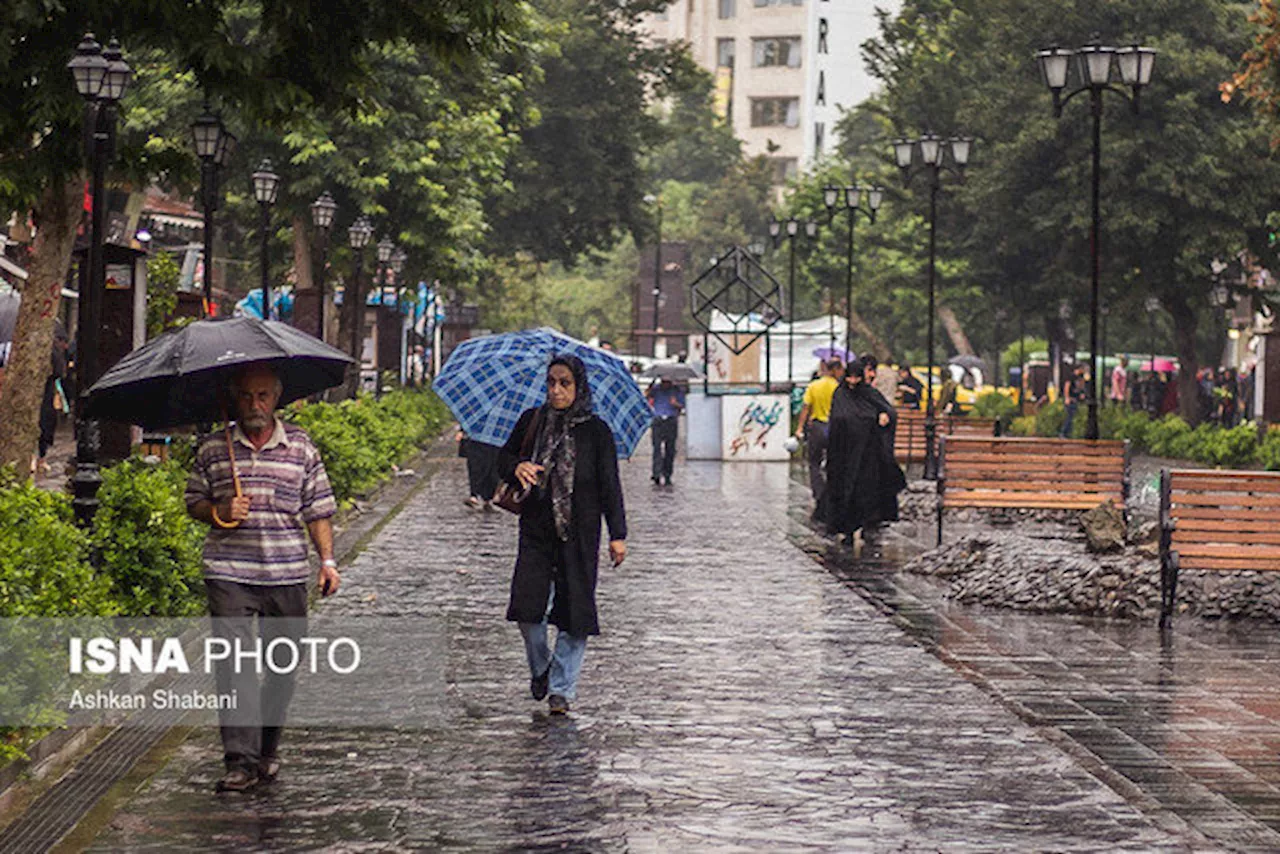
{"x":755,"y":427}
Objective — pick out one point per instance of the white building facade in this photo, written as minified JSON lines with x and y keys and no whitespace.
{"x":784,"y":69}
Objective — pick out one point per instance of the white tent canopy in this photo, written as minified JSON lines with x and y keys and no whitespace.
{"x":806,"y":337}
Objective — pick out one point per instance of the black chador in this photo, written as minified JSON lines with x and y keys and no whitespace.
{"x":863,"y":478}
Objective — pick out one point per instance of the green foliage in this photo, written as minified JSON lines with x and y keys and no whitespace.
{"x":1269,"y":450}
{"x":44,"y":558}
{"x":1167,"y":436}
{"x":1030,"y":344}
{"x":360,"y":440}
{"x":163,"y":277}
{"x":147,"y":546}
{"x":1023,"y":425}
{"x":995,"y":404}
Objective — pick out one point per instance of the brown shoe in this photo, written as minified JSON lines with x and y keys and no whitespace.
{"x":557,"y":705}
{"x":237,"y":780}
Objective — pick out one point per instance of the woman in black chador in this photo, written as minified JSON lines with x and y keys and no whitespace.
{"x":863,"y":478}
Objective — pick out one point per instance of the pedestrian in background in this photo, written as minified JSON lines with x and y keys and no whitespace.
{"x":910,"y":389}
{"x":482,"y":471}
{"x":1120,"y":382}
{"x":1073,"y":391}
{"x":255,"y":559}
{"x":571,"y":473}
{"x":863,"y":478}
{"x":667,"y":400}
{"x":812,"y":425}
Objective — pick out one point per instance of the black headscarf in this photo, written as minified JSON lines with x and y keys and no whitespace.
{"x":555,"y":448}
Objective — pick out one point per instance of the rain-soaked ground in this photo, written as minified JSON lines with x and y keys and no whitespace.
{"x":745,"y":696}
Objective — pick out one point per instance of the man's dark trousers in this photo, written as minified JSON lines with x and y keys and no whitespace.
{"x":251,"y":732}
{"x":664,"y":446}
{"x":818,"y":435}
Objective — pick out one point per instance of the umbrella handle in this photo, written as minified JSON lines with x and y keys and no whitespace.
{"x":235,"y":479}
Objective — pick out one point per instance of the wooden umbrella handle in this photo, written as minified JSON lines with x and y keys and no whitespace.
{"x":235,"y":479}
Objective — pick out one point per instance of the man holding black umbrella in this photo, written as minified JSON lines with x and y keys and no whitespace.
{"x":258,"y":487}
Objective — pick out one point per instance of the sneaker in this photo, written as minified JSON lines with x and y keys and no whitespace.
{"x":237,"y":780}
{"x":268,"y":769}
{"x":538,"y":684}
{"x":557,"y":705}
{"x":472,"y":501}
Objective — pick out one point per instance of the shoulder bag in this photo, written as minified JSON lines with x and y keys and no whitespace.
{"x":511,"y":498}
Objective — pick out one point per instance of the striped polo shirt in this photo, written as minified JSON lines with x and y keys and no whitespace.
{"x":287,"y":486}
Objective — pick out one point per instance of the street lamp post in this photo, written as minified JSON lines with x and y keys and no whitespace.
{"x":930,"y":153}
{"x":657,"y":272}
{"x":385,"y":250}
{"x":852,"y":197}
{"x":398,"y":259}
{"x":214,"y":145}
{"x":359,"y":234}
{"x":793,"y":227}
{"x":322,"y":211}
{"x":266,"y":186}
{"x":101,"y":77}
{"x":1094,"y":64}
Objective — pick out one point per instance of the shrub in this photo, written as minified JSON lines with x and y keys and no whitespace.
{"x":1023,"y":425}
{"x":44,"y":558}
{"x":148,"y":548}
{"x":1268,"y":453}
{"x":1050,"y":418}
{"x":997,"y":405}
{"x":1236,"y":446}
{"x":1167,"y":435}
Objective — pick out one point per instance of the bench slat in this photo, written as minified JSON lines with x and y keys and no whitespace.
{"x":1025,"y":485}
{"x":1234,"y":563}
{"x":1090,"y":498}
{"x":1235,"y":539}
{"x":1228,"y":550}
{"x":1249,"y":527}
{"x":1011,"y":503}
{"x":1185,"y":499}
{"x":1221,"y":513}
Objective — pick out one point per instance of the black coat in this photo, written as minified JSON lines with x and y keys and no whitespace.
{"x":863,"y":478}
{"x":572,"y":564}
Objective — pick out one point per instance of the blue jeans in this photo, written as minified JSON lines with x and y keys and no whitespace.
{"x":1069,"y":422}
{"x":565,"y":662}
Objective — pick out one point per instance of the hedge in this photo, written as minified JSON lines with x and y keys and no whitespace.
{"x":1242,"y":446}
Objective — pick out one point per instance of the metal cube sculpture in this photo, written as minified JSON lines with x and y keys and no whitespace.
{"x":748,"y":299}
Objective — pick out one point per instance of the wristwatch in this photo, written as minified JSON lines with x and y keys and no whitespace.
{"x":330,"y":562}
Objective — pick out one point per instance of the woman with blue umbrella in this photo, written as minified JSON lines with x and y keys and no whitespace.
{"x":564,"y":457}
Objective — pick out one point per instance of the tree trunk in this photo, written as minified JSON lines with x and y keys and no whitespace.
{"x":58,"y":213}
{"x":303,"y":278}
{"x":881,"y":350}
{"x":1184,"y":338}
{"x":955,"y":331}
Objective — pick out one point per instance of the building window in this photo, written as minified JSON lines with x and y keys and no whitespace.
{"x":775,"y":112}
{"x":762,"y":3}
{"x":784,"y":168}
{"x":776,"y":52}
{"x":728,"y":9}
{"x":724,"y":53}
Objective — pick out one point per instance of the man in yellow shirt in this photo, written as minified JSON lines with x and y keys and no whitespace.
{"x":813,"y":422}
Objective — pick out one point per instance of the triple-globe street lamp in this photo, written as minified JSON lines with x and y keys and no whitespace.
{"x":850,"y":200}
{"x":1096,"y":67}
{"x":214,"y":145}
{"x":934,"y":156}
{"x":792,"y":228}
{"x":322,"y":212}
{"x":101,"y":78}
{"x":266,"y":187}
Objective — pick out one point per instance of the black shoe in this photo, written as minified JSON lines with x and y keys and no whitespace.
{"x":557,"y":705}
{"x":237,"y":780}
{"x":668,"y":479}
{"x":657,"y":481}
{"x":538,"y":684}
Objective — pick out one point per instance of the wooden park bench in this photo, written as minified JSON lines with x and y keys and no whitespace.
{"x":1031,"y":474}
{"x":1216,"y":520}
{"x":909,"y":440}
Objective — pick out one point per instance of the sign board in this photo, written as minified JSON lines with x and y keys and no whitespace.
{"x":753,"y":427}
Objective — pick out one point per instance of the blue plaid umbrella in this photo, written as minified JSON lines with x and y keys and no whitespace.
{"x":488,"y":382}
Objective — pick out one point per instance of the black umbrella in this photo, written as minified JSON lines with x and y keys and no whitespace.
{"x":181,"y":376}
{"x":674,"y":371}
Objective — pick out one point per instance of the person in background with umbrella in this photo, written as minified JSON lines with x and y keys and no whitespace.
{"x":812,"y":424}
{"x":668,"y":401}
{"x":257,"y":490}
{"x":571,"y":470}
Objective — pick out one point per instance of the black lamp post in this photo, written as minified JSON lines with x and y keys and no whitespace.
{"x":358,"y":236}
{"x":793,"y":228}
{"x":397,"y":262}
{"x":322,"y":211}
{"x":851,"y":197}
{"x":386,"y":248}
{"x":930,"y":153}
{"x":214,"y":145}
{"x":101,"y":77}
{"x":1094,"y":64}
{"x":266,"y":186}
{"x":657,"y":271}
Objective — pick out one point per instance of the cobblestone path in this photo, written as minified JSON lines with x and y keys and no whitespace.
{"x":741,"y":698}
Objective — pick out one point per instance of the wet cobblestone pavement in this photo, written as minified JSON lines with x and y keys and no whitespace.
{"x":743,"y":697}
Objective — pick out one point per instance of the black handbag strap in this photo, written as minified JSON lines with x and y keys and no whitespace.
{"x":531,"y":435}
